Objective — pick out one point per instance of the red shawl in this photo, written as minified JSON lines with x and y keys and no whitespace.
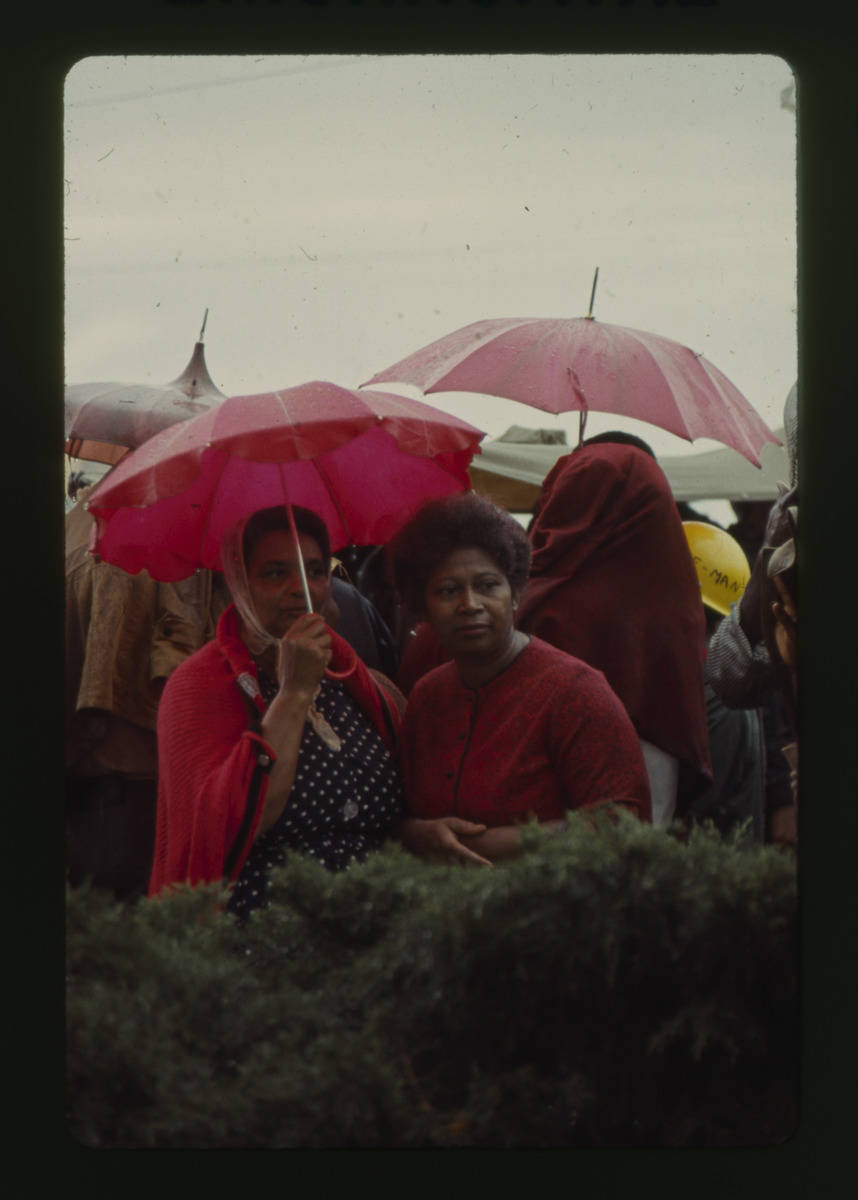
{"x":613,"y":583}
{"x":207,"y":755}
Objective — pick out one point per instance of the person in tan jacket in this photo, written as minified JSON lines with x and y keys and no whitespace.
{"x":125,"y":634}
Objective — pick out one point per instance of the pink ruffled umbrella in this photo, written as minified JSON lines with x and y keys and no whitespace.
{"x":579,"y":364}
{"x":362,"y":460}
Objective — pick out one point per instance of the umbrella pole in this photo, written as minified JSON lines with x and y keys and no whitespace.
{"x":301,"y":568}
{"x":582,"y":421}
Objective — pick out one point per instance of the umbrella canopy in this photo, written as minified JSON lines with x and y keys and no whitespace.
{"x":580,"y":364}
{"x":104,"y":420}
{"x":362,"y":460}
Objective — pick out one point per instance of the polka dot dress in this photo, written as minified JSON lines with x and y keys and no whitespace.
{"x":342,"y":803}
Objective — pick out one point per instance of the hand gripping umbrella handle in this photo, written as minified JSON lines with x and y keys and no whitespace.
{"x":304,"y":584}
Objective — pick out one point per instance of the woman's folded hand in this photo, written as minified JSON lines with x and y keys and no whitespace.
{"x":439,"y":838}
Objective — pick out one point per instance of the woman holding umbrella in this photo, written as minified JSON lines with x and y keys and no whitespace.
{"x":274,"y":736}
{"x":511,"y":727}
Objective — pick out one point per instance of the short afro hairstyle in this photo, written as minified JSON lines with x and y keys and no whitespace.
{"x":266,"y":520}
{"x":444,"y":525}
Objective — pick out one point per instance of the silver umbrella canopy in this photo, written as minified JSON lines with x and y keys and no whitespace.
{"x":103,"y":421}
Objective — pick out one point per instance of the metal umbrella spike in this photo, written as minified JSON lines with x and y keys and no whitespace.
{"x":592,"y":296}
{"x":195,"y":379}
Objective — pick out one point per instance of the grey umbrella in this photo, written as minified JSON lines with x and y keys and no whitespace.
{"x":103,"y":421}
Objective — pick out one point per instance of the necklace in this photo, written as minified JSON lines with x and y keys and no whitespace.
{"x":317,"y":719}
{"x":318,"y":722}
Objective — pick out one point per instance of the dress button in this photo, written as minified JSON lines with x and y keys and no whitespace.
{"x":264,"y":760}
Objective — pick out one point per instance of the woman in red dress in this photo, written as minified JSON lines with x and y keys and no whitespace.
{"x":511,"y":728}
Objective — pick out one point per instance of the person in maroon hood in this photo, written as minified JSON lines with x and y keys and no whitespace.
{"x":612,"y":582}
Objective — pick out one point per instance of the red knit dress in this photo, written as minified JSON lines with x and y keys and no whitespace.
{"x":545,"y":736}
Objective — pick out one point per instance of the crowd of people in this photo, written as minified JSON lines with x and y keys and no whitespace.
{"x":441,"y":691}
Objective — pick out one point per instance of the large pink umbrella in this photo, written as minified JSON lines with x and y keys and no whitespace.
{"x":363,"y":460}
{"x":579,"y":364}
{"x":104,"y":420}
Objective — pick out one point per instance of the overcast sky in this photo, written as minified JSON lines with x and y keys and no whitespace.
{"x":335,"y":213}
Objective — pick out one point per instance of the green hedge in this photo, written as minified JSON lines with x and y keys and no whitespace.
{"x":610,"y":987}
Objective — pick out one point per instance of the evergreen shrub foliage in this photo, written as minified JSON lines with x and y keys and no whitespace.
{"x":612,"y":986}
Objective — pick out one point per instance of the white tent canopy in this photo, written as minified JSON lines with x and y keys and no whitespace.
{"x":510,"y":470}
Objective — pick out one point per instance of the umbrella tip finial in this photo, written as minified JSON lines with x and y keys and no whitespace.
{"x":592,"y":296}
{"x":203,"y":329}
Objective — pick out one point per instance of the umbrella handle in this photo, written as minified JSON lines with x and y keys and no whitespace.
{"x":339,"y":674}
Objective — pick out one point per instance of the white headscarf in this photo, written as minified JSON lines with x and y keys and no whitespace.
{"x":256,"y":635}
{"x":235,"y":572}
